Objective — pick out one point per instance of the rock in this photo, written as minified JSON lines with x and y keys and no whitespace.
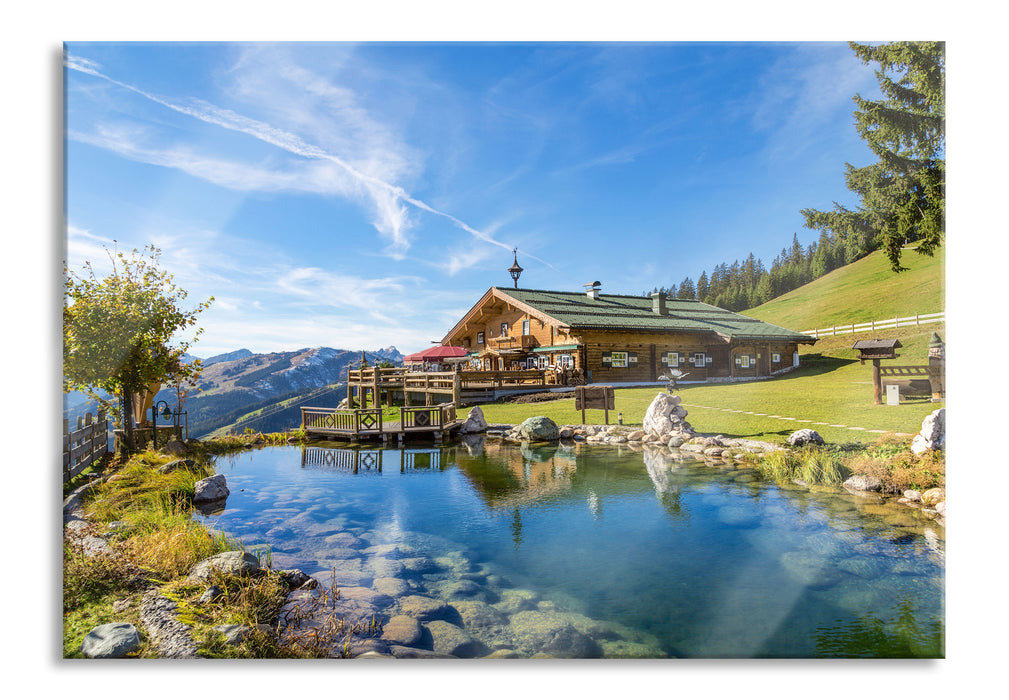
{"x":657,"y":418}
{"x":233,"y":634}
{"x":863,"y":482}
{"x":452,"y":639}
{"x":403,"y":652}
{"x":933,"y":433}
{"x":513,"y":600}
{"x":475,"y":422}
{"x":933,"y":496}
{"x":504,"y":654}
{"x":394,"y":587}
{"x":112,"y":641}
{"x":424,"y":608}
{"x":476,"y":614}
{"x":403,"y":630}
{"x":538,"y":428}
{"x":940,"y":508}
{"x":294,"y":578}
{"x":234,"y":562}
{"x":806,"y":436}
{"x":636,"y":436}
{"x":175,"y":447}
{"x":551,"y":633}
{"x":213,"y":488}
{"x":912,"y":495}
{"x":211,"y":594}
{"x":176,"y":464}
{"x":675,"y":441}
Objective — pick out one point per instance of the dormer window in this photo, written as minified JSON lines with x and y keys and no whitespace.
{"x":504,"y":329}
{"x":479,"y":338}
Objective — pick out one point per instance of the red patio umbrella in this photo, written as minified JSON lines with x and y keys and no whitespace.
{"x":436,"y":354}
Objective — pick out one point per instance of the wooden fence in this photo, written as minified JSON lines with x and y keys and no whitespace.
{"x":85,"y":445}
{"x":873,"y":326}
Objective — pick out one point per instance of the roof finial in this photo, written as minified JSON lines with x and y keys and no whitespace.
{"x":515,"y":270}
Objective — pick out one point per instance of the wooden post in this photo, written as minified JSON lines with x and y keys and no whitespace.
{"x":877,"y":383}
{"x":456,"y":389}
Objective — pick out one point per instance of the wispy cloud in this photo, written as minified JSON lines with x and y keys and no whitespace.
{"x":388,"y":200}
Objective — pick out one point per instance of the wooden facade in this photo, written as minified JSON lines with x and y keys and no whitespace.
{"x":611,"y":338}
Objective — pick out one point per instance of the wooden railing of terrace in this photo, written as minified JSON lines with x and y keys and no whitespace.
{"x":345,"y":422}
{"x":427,"y":418}
{"x":502,"y":378}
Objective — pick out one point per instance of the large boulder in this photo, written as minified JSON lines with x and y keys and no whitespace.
{"x":475,"y":422}
{"x":665,"y":416}
{"x":657,"y":417}
{"x":539,"y":428}
{"x":213,"y":488}
{"x":806,"y":436}
{"x":863,"y":482}
{"x":933,"y":433}
{"x":112,"y":641}
{"x":233,"y":562}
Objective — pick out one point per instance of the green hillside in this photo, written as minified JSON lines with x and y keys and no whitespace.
{"x":862,"y":291}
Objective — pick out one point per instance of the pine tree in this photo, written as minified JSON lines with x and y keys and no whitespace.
{"x":902,"y":196}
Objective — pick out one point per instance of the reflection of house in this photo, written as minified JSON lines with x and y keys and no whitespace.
{"x":615,"y":338}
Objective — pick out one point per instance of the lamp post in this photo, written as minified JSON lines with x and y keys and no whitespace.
{"x":515,"y":270}
{"x":165,"y":413}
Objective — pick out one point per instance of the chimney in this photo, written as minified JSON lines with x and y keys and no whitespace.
{"x":659,"y":304}
{"x":592,"y":290}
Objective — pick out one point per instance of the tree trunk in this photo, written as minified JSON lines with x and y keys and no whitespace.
{"x":127,"y":446}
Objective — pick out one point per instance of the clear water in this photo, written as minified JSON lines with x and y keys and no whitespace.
{"x":650,"y":555}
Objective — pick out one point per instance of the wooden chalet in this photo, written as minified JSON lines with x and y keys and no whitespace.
{"x":606,"y":338}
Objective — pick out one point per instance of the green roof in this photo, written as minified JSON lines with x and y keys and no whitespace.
{"x":618,"y":312}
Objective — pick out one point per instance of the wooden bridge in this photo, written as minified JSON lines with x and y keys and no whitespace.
{"x":358,"y":424}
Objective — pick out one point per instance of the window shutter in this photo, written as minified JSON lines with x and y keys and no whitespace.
{"x":606,"y":359}
{"x":632,"y":359}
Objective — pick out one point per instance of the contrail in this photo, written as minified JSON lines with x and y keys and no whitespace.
{"x":291,"y":143}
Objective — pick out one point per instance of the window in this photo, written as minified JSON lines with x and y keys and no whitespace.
{"x":744,"y":361}
{"x":699,"y":359}
{"x":566,"y":361}
{"x":542,"y":361}
{"x":671,"y":359}
{"x":525,"y":327}
{"x":776,"y":357}
{"x":504,"y":329}
{"x":479,"y":338}
{"x":618,"y":359}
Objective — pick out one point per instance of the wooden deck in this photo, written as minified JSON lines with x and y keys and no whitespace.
{"x":368,"y":386}
{"x":358,"y":424}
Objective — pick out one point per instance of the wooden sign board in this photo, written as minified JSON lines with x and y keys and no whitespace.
{"x":595,"y":397}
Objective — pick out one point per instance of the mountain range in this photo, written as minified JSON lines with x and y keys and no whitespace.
{"x":243,"y":390}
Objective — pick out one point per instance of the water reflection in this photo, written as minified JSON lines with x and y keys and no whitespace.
{"x":356,"y":460}
{"x":677,"y":556}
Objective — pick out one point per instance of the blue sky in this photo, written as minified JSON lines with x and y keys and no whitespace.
{"x":360,"y":195}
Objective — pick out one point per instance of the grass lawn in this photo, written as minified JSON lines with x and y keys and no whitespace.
{"x":830,"y":387}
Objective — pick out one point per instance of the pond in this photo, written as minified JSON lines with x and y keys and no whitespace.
{"x":583,"y":550}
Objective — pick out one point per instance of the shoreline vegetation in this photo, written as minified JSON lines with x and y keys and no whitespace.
{"x":141,"y":511}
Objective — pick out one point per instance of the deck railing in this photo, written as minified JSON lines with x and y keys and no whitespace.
{"x":426,"y":418}
{"x":360,"y":421}
{"x":502,"y":378}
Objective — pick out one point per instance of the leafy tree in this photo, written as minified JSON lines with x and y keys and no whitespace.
{"x":902,"y":196}
{"x":118,"y":331}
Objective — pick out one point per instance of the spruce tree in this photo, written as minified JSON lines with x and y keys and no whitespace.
{"x":902,"y":196}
